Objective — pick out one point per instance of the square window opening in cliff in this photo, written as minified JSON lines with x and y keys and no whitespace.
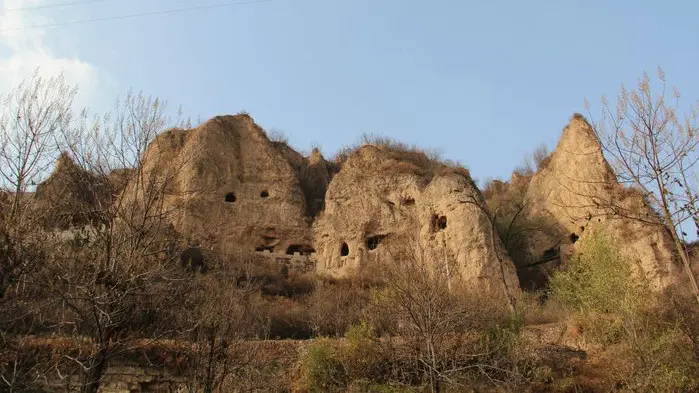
{"x":264,"y":248}
{"x":302,"y":249}
{"x":230,"y":197}
{"x":264,"y":194}
{"x":344,"y":250}
{"x":372,"y":242}
{"x":439,"y":223}
{"x":407,"y":201}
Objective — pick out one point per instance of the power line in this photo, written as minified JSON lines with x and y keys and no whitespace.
{"x":140,"y":14}
{"x":55,"y":5}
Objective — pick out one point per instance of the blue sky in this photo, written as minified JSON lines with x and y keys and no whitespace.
{"x":484,"y":82}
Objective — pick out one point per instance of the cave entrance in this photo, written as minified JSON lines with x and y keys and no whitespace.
{"x":439,"y":223}
{"x":574,"y":238}
{"x":344,"y":250}
{"x":302,"y":249}
{"x":229,"y":197}
{"x":264,"y":248}
{"x":372,"y":242}
{"x":264,"y":194}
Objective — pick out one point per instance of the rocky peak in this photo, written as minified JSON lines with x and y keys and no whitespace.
{"x":575,"y":190}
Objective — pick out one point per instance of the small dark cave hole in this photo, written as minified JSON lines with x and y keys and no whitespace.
{"x":574,"y":238}
{"x":300,"y":248}
{"x":192,"y":259}
{"x":372,"y":242}
{"x":230,"y":197}
{"x":439,"y":222}
{"x":265,"y":248}
{"x":344,"y":250}
{"x":407,"y":201}
{"x":264,"y":194}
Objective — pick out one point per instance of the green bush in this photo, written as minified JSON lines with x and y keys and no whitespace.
{"x":321,"y":370}
{"x":614,"y":305}
{"x":599,"y":279}
{"x":362,"y":354}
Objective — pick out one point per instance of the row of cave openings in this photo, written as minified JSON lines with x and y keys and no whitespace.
{"x":302,"y":249}
{"x":230,"y":197}
{"x":438,"y":223}
{"x":371,"y":243}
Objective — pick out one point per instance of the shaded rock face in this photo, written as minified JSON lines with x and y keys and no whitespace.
{"x":377,"y":201}
{"x":313,"y":174}
{"x":72,"y":196}
{"x":576,"y":189}
{"x":233,"y":189}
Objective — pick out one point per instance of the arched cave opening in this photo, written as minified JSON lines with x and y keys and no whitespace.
{"x":344,"y":250}
{"x":302,"y":249}
{"x":372,"y":242}
{"x":230,"y":197}
{"x":264,"y":194}
{"x":574,"y":238}
{"x":439,"y":223}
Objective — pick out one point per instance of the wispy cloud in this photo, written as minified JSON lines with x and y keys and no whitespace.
{"x":23,"y":50}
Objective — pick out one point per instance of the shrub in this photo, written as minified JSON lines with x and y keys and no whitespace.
{"x":597,"y":286}
{"x":613,"y":306}
{"x":321,"y":370}
{"x":363,"y":355}
{"x":336,"y":305}
{"x":535,"y":309}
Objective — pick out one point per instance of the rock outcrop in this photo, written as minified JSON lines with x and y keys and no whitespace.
{"x":579,"y":191}
{"x":383,"y":197}
{"x":231,"y":188}
{"x":71,"y":196}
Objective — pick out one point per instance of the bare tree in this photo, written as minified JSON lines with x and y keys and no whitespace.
{"x":223,"y":322}
{"x":653,"y":147}
{"x":115,"y":284}
{"x":430,"y":311}
{"x":31,"y":116}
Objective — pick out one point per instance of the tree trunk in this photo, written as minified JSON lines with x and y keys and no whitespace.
{"x":434,"y":381}
{"x":94,"y":374}
{"x":685,"y":262}
{"x":434,"y":375}
{"x":678,"y":243}
{"x":209,"y":383}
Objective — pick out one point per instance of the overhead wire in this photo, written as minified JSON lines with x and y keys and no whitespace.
{"x":136,"y":15}
{"x":53,"y":5}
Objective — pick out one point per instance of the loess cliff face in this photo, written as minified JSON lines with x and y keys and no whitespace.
{"x":380,"y":203}
{"x":233,"y":188}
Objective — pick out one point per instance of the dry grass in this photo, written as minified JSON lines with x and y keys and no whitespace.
{"x":535,"y":311}
{"x":404,"y":157}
